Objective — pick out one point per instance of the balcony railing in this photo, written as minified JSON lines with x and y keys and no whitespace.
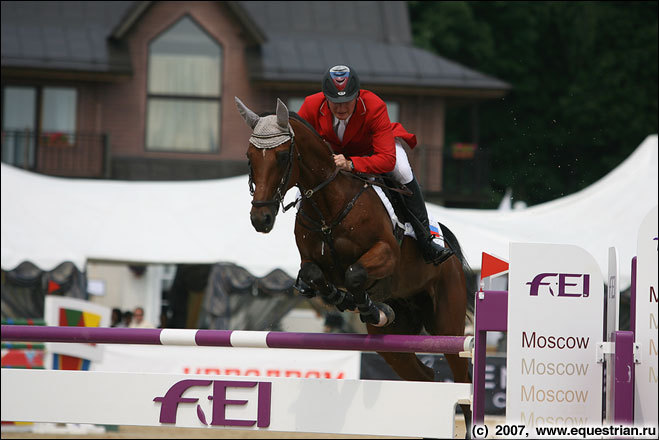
{"x":57,"y":153}
{"x":463,"y":180}
{"x":466,"y":175}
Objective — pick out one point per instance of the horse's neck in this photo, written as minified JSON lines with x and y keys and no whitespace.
{"x":317,"y":167}
{"x":316,"y":158}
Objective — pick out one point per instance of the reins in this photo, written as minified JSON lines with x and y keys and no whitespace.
{"x":322,"y":225}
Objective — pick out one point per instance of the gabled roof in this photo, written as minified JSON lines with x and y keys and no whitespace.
{"x":292,"y":42}
{"x":385,"y":21}
{"x":374,"y":37}
{"x":139,"y":8}
{"x":63,"y":35}
{"x":378,"y":63}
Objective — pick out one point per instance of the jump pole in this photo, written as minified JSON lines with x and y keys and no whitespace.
{"x":239,"y":338}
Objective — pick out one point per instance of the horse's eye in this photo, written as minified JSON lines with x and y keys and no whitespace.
{"x":282,"y":159}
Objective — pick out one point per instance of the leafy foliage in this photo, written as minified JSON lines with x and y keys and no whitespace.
{"x":584,"y":85}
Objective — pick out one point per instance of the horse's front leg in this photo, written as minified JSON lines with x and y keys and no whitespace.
{"x":377,"y":263}
{"x":312,"y":281}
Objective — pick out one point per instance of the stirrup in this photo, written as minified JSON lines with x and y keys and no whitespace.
{"x":435,"y":254}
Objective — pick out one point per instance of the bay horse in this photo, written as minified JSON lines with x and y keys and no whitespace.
{"x":349,"y":253}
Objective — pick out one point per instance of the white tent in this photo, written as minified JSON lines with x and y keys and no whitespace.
{"x":607,"y":213}
{"x":48,"y":220}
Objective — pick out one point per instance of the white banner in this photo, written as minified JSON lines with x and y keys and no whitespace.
{"x":645,"y":395}
{"x":555,"y":322}
{"x":368,"y":407}
{"x":230,"y":361}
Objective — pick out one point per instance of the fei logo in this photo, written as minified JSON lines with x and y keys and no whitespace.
{"x":563,"y":283}
{"x":174,"y":396}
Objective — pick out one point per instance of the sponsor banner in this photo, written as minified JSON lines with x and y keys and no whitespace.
{"x":645,"y":393}
{"x":375,"y":368}
{"x":229,"y":361}
{"x":368,"y":407}
{"x":555,"y":322}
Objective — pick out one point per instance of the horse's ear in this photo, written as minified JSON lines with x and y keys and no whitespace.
{"x":282,"y":114}
{"x":249,"y":116}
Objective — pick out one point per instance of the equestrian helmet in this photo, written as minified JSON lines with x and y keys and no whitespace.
{"x":340,"y":84}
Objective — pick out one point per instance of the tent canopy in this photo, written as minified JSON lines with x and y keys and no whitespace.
{"x":48,"y":220}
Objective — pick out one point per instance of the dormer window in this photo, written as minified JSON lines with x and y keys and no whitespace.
{"x":184,"y":90}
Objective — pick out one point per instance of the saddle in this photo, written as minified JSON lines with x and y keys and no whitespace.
{"x":391,"y":193}
{"x":394,"y":191}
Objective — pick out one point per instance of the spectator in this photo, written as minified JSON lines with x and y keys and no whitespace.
{"x":115,"y":321}
{"x":138,"y":319}
{"x":163,"y":320}
{"x":128,"y":318}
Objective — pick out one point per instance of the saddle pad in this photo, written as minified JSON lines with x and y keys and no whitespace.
{"x":435,"y":229}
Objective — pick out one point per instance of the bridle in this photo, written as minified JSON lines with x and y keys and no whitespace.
{"x":278,"y":197}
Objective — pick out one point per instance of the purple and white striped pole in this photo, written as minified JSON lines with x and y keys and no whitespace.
{"x":237,"y":338}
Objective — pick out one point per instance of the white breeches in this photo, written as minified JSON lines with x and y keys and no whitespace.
{"x":402,"y":172}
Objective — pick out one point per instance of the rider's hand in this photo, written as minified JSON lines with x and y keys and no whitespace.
{"x":343,"y":163}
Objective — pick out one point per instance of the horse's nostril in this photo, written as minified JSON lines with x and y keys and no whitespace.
{"x":267,"y":219}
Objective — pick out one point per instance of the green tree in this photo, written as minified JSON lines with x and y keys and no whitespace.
{"x":584,"y":78}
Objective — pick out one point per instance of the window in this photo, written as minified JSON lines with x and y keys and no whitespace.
{"x":21,"y":123}
{"x":58,"y":110}
{"x":183,"y":86}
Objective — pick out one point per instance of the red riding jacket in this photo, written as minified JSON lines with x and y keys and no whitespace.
{"x":369,"y":136}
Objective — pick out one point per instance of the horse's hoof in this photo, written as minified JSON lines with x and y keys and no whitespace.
{"x":307,"y":293}
{"x":387,"y":314}
{"x":380,"y":315}
{"x":304,"y":289}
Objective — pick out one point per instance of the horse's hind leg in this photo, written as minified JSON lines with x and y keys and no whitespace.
{"x":460,"y":368}
{"x":406,"y":365}
{"x":447,"y":317}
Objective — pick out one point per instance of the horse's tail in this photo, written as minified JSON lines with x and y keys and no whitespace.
{"x":471,"y":282}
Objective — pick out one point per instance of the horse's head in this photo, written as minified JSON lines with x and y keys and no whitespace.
{"x":270,"y":156}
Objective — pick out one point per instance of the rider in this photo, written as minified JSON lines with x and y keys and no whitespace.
{"x":356,"y":124}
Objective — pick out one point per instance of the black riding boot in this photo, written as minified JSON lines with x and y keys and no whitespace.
{"x":432,"y":252}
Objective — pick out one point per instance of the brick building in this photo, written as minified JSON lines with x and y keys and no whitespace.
{"x":144,"y":90}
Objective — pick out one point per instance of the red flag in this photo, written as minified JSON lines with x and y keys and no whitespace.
{"x":492,"y":265}
{"x":52,"y":286}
